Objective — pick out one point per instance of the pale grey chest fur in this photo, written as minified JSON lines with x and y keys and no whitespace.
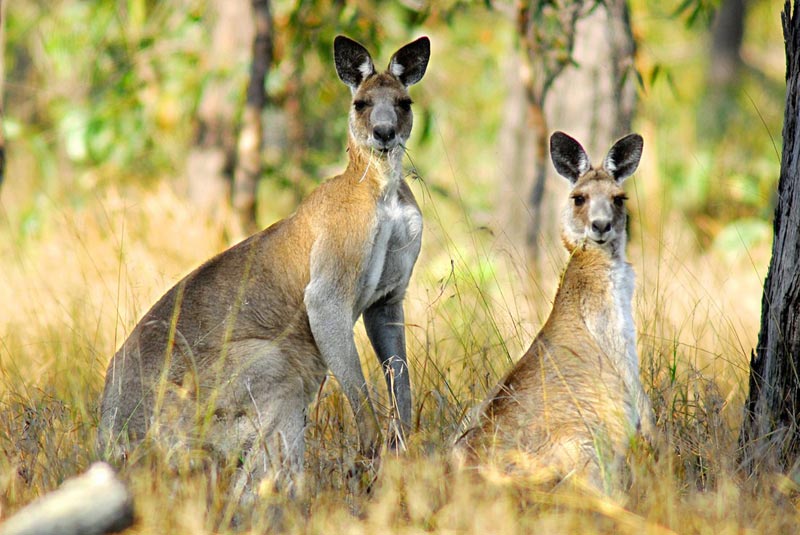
{"x":613,"y":328}
{"x":392,"y":252}
{"x":612,"y":323}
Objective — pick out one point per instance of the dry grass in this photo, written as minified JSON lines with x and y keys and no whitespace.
{"x":72,"y":288}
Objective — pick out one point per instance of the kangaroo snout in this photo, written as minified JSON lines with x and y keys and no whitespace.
{"x":601,"y":227}
{"x":384,"y":134}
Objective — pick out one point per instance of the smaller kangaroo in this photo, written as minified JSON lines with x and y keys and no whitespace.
{"x":571,"y":404}
{"x":229,"y":358}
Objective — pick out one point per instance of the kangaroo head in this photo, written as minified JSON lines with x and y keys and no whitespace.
{"x":595,"y":214}
{"x":380,"y":117}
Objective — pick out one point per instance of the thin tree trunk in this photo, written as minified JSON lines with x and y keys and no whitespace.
{"x":726,"y":42}
{"x":248,"y":162}
{"x":516,"y":161}
{"x":770,"y":436}
{"x":723,"y":80}
{"x":296,"y":136}
{"x":538,"y":125}
{"x":622,"y":53}
{"x":210,"y":160}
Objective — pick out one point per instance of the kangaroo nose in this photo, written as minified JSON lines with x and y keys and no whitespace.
{"x":601,"y":226}
{"x":384,"y":133}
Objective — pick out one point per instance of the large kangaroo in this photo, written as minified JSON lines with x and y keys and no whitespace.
{"x":574,"y":400}
{"x":231,"y":356}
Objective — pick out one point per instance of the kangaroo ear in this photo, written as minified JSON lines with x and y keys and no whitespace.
{"x":569,"y":157}
{"x":353,"y":62}
{"x":409,"y":63}
{"x":623,"y":158}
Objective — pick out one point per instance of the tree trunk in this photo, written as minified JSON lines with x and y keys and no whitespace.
{"x":723,"y":79}
{"x":726,"y":42}
{"x":248,"y":154}
{"x":297,"y":138}
{"x":770,"y":436}
{"x":546,"y":35}
{"x":210,"y":160}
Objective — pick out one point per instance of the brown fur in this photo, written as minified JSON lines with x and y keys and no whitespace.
{"x":573,"y":401}
{"x":565,"y":395}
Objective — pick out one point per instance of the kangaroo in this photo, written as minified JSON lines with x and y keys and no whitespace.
{"x":229,"y":359}
{"x":574,"y":400}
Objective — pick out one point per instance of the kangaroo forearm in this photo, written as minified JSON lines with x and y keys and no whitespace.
{"x":333,"y":333}
{"x":385,"y":327}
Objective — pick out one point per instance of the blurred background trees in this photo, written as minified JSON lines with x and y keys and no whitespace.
{"x":136,"y":91}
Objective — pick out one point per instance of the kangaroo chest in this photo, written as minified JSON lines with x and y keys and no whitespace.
{"x":392,"y":251}
{"x":610,"y":322}
{"x":608,"y":318}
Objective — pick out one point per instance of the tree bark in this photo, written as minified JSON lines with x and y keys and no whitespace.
{"x":770,"y":436}
{"x":210,"y":161}
{"x":248,"y":161}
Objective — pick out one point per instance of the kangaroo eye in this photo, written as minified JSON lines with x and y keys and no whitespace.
{"x":405,"y":104}
{"x":359,"y":105}
{"x":619,"y":201}
{"x":579,"y":200}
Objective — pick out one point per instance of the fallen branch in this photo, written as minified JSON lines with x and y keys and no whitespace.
{"x":93,"y":503}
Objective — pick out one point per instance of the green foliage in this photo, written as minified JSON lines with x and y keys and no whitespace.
{"x":107,"y":92}
{"x":696,"y":12}
{"x":105,"y":84}
{"x":717,"y":146}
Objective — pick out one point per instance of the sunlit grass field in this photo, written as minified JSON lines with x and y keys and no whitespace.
{"x":72,"y":289}
{"x":85,"y":252}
